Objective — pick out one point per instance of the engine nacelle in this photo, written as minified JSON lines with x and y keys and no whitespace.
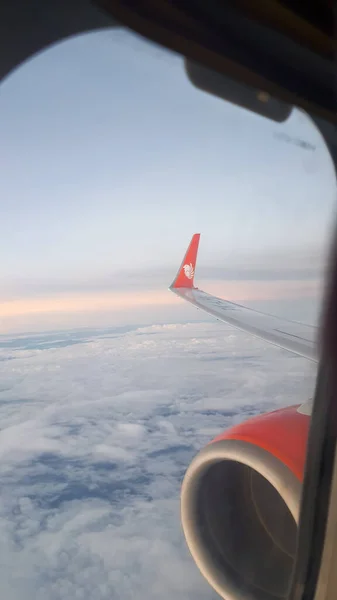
{"x":240,"y":503}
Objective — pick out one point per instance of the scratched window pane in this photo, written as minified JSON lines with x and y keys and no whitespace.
{"x":110,"y":383}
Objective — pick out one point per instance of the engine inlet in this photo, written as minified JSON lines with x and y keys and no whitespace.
{"x":240,"y":509}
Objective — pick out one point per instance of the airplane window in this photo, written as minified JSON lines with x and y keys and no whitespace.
{"x":112,"y":384}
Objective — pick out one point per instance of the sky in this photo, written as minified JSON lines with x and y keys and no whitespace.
{"x":97,"y":430}
{"x":111,"y":160}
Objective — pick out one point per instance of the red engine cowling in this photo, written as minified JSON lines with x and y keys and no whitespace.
{"x":240,"y":504}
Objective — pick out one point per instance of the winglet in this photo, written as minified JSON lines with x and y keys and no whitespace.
{"x":185,"y":275}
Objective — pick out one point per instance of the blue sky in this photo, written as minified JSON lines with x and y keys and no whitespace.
{"x":111,"y":160}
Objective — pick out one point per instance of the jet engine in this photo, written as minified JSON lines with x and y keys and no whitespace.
{"x":240,"y":505}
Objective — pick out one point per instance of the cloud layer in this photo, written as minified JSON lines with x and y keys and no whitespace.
{"x":97,"y":430}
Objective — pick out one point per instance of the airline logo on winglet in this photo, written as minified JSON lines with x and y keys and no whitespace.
{"x":189,"y":271}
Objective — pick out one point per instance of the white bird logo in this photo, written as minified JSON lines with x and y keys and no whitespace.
{"x":189,"y":271}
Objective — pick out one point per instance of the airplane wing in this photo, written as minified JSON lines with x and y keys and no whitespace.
{"x":290,"y":335}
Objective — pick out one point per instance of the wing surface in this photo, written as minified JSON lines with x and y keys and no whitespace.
{"x":290,"y":335}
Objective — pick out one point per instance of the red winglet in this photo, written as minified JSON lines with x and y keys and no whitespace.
{"x":185,"y":275}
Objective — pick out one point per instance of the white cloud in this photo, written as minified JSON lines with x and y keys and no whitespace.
{"x":96,"y":434}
